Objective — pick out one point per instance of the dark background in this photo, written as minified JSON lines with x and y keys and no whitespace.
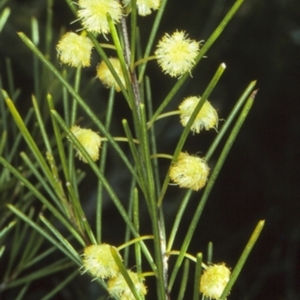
{"x":260,"y":179}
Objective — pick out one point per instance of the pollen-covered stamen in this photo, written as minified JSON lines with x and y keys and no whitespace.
{"x":117,"y":286}
{"x":213,"y":281}
{"x":189,"y":172}
{"x":105,"y":75}
{"x":144,"y":7}
{"x":98,"y":260}
{"x":75,"y":50}
{"x":207,"y":117}
{"x":90,"y":140}
{"x":93,"y":14}
{"x":176,"y":53}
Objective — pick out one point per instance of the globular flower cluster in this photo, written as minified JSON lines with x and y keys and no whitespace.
{"x":213,"y":281}
{"x":105,"y":75}
{"x":93,"y":14}
{"x":90,"y":140}
{"x":176,"y":53}
{"x":206,"y":118}
{"x":189,"y":172}
{"x":75,"y":50}
{"x":98,"y":260}
{"x":144,"y":6}
{"x":118,"y":287}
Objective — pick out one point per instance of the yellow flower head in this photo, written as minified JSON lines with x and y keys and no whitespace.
{"x":176,"y":53}
{"x":75,"y":50}
{"x":93,"y":14}
{"x":214,"y":280}
{"x":144,"y":6}
{"x":117,"y":286}
{"x":207,"y":117}
{"x":90,"y":140}
{"x":189,"y":172}
{"x":97,"y":260}
{"x":107,"y":78}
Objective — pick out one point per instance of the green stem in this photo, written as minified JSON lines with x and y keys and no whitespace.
{"x":103,"y":159}
{"x":124,"y":272}
{"x":133,"y":26}
{"x":73,"y":255}
{"x":243,"y":258}
{"x":229,"y":120}
{"x":178,"y":218}
{"x":196,"y":293}
{"x":184,"y":280}
{"x":159,"y":241}
{"x":37,"y":194}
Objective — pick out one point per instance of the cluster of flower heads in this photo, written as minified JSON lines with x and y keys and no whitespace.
{"x":191,"y":171}
{"x":99,"y":262}
{"x":175,"y":53}
{"x":213,"y":281}
{"x":90,"y":141}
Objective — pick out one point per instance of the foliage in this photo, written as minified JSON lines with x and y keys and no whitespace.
{"x":43,"y":188}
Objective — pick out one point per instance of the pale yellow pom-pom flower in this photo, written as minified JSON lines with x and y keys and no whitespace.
{"x":107,"y":78}
{"x":207,"y":117}
{"x":117,"y":286}
{"x":97,"y":260}
{"x":176,"y":53}
{"x":93,"y":14}
{"x":189,"y":172}
{"x":75,"y":50}
{"x":144,"y":6}
{"x":213,"y":281}
{"x":90,"y":140}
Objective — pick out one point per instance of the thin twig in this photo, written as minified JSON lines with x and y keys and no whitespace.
{"x":127,"y":54}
